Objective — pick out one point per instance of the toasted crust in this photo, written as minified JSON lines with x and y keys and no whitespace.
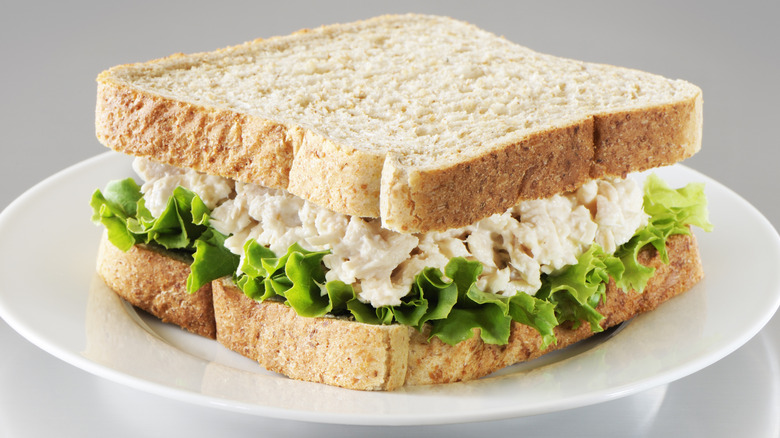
{"x":358,"y":181}
{"x":157,"y":283}
{"x":368,"y":357}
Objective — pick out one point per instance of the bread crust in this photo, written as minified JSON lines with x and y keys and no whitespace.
{"x":211,"y":140}
{"x":323,"y":350}
{"x":642,"y":139}
{"x":409,"y":198}
{"x":157,"y":283}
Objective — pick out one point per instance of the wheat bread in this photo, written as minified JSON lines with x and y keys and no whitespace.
{"x":427,"y":122}
{"x":360,"y":356}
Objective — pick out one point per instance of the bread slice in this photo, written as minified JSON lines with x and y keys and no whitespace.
{"x":427,"y":122}
{"x":361,"y":356}
{"x":156,"y":281}
{"x":367,"y":357}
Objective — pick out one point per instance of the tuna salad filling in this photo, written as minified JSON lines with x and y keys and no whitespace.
{"x":515,"y":248}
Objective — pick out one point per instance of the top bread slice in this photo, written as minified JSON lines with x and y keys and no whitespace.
{"x":427,"y":122}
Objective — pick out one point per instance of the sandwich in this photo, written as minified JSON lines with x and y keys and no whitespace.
{"x":403,"y":200}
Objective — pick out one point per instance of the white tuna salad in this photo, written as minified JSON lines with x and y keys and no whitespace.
{"x":515,"y":248}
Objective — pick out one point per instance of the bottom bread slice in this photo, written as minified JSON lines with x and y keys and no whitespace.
{"x":361,"y":356}
{"x":371,"y":357}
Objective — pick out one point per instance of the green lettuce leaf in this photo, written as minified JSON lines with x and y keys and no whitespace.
{"x":178,"y":226}
{"x":676,"y":208}
{"x":453,"y":307}
{"x":211,"y":260}
{"x":183,"y":226}
{"x":115,"y":208}
{"x":433,"y":295}
{"x":459,"y":325}
{"x":537,"y":313}
{"x":576,"y":291}
{"x":306,"y":296}
{"x":671,"y":211}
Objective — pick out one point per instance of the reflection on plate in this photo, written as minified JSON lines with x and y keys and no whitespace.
{"x":52,"y":297}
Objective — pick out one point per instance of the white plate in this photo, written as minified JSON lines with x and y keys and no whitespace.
{"x":51,"y":296}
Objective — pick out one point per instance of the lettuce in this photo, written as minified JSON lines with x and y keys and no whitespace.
{"x":182,"y":227}
{"x":577,"y":291}
{"x":211,"y":260}
{"x":453,"y":307}
{"x":114,"y":209}
{"x":671,"y":211}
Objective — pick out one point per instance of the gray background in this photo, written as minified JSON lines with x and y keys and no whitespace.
{"x":52,"y":52}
